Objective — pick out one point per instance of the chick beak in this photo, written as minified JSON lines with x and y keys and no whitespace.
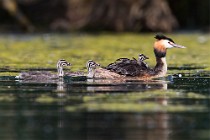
{"x":177,"y":45}
{"x":146,"y":57}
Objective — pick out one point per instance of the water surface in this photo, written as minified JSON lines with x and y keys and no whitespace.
{"x":176,"y":107}
{"x":170,"y":108}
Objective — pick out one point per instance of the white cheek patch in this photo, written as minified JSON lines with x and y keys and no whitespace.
{"x":166,"y":44}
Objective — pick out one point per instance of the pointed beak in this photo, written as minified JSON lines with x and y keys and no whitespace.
{"x":69,"y":64}
{"x":177,"y":45}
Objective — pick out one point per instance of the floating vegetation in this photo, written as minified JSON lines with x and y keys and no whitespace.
{"x":47,"y":99}
{"x":7,"y":98}
{"x":39,"y":51}
{"x":156,"y":101}
{"x":133,"y":107}
{"x":150,"y":101}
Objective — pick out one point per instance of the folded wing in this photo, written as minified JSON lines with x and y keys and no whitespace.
{"x":128,"y":67}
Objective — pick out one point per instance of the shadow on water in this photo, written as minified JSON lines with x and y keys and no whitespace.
{"x":176,"y":107}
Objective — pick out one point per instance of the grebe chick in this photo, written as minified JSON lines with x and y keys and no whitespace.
{"x":44,"y":75}
{"x":131,"y":69}
{"x":91,"y":67}
{"x":141,"y":59}
{"x":95,"y":72}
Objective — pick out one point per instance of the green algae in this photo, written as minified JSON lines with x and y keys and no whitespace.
{"x":9,"y":73}
{"x":45,"y":99}
{"x":43,"y":51}
{"x":136,"y":102}
{"x":132,"y":107}
{"x":150,"y":101}
{"x":137,"y":96}
{"x":48,"y":99}
{"x":7,"y":98}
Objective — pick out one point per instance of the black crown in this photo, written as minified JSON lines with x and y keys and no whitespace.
{"x":160,"y":36}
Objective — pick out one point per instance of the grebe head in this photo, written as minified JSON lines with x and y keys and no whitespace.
{"x":142,"y":57}
{"x":165,"y":42}
{"x":91,"y":66}
{"x":60,"y":64}
{"x":162,"y":44}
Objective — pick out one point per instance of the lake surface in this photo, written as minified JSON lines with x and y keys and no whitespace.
{"x":171,"y":108}
{"x":176,"y":107}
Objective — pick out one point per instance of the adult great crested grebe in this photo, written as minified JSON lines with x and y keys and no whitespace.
{"x":132,"y":69}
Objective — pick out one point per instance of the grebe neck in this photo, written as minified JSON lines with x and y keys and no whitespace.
{"x":91,"y":72}
{"x":60,"y":71}
{"x":161,"y":65}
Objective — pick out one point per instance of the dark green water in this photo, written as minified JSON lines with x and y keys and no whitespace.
{"x":25,"y":115}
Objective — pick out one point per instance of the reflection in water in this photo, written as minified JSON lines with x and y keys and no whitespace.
{"x":138,"y":126}
{"x":60,"y":85}
{"x":125,"y":86}
{"x":160,"y":126}
{"x":61,"y":88}
{"x":61,"y":93}
{"x":26,"y":119}
{"x":103,"y":126}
